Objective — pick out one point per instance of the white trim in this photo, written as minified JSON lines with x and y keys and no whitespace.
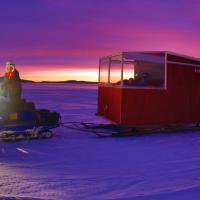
{"x":112,"y":55}
{"x":130,"y":87}
{"x":169,"y":52}
{"x":99,"y":70}
{"x":122,"y":70}
{"x":145,"y":57}
{"x":121,"y":85}
{"x":109,"y":64}
{"x":153,"y":52}
{"x":180,"y":63}
{"x":165,"y":76}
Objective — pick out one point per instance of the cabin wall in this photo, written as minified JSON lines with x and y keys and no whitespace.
{"x":196,"y":95}
{"x":109,"y":103}
{"x":143,"y":106}
{"x":180,"y":103}
{"x":184,"y":93}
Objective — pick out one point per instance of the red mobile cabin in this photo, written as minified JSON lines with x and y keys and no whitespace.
{"x":149,"y":88}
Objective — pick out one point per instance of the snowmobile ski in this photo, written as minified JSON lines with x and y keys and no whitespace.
{"x":26,"y":132}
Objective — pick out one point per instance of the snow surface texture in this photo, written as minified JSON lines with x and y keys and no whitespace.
{"x":79,"y":165}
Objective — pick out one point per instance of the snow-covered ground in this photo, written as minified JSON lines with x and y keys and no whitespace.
{"x":79,"y":165}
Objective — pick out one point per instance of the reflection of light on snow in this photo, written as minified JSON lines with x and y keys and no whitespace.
{"x":2,"y":150}
{"x":22,"y":150}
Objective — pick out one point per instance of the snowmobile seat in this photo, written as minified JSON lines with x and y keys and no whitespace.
{"x":44,"y":116}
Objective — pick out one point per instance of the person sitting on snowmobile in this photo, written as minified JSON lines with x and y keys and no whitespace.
{"x":12,"y":83}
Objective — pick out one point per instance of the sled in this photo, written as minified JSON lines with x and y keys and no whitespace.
{"x":28,"y":124}
{"x":24,"y":132}
{"x":115,"y":130}
{"x":101,"y":130}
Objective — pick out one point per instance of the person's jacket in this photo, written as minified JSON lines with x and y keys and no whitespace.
{"x":12,"y":85}
{"x":12,"y":79}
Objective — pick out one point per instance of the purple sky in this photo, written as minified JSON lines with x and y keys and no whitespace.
{"x":73,"y":34}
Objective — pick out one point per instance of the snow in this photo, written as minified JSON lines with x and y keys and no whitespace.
{"x":79,"y":165}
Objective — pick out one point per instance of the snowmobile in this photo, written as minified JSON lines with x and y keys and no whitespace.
{"x":21,"y":120}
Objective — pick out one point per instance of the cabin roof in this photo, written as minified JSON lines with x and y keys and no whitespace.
{"x":156,"y":56}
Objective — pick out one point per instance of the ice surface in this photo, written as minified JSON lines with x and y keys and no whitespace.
{"x":79,"y":165}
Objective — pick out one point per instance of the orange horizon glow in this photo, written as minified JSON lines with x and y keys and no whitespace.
{"x":71,"y":37}
{"x":57,"y":73}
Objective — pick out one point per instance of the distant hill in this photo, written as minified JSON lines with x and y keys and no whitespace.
{"x":27,"y":81}
{"x":69,"y":81}
{"x":24,"y":81}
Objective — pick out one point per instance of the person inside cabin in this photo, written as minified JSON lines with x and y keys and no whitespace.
{"x":145,"y":78}
{"x":11,"y":85}
{"x":140,"y":80}
{"x":130,"y":81}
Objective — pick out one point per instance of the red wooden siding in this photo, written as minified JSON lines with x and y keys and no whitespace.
{"x":143,"y":107}
{"x":109,"y":103}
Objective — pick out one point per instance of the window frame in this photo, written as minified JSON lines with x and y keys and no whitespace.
{"x":108,"y":84}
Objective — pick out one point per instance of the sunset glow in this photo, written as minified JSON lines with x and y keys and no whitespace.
{"x":63,"y":40}
{"x":61,"y":74}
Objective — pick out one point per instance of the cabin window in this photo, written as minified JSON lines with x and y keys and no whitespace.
{"x":134,"y":70}
{"x":104,"y":69}
{"x":144,"y":74}
{"x":115,"y":71}
{"x":128,"y":71}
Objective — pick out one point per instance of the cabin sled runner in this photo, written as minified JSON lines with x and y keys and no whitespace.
{"x":145,"y":89}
